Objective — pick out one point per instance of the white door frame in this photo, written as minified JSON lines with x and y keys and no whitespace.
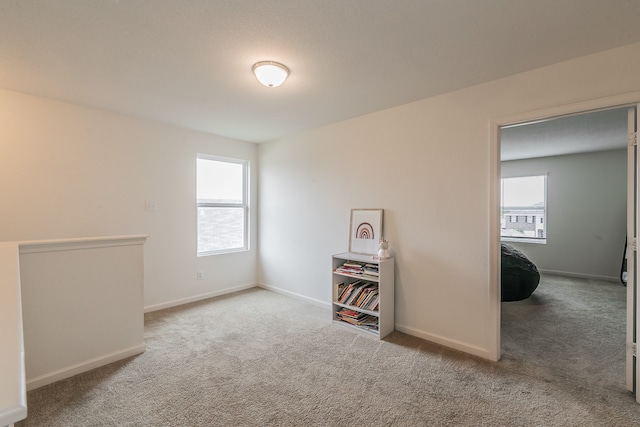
{"x":631,"y":254}
{"x":618,"y":101}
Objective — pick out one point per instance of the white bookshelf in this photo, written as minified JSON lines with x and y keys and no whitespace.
{"x":384,"y":314}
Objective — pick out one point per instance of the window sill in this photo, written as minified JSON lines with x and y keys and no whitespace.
{"x":523,"y":240}
{"x":226,"y":251}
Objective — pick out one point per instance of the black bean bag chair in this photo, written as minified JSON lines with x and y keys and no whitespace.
{"x":520,"y":277}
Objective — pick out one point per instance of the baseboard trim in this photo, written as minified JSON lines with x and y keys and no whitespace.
{"x":61,"y":374}
{"x":294,"y":295}
{"x":580,"y":275}
{"x":456,"y":345}
{"x":198,"y":297}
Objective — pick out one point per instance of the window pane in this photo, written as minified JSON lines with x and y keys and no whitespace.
{"x":523,"y":191}
{"x":523,"y":200}
{"x":220,"y":229}
{"x":219,"y":182}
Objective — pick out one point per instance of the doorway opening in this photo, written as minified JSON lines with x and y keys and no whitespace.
{"x":580,"y":301}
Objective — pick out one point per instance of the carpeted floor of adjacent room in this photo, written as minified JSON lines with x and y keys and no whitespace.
{"x":258,"y":358}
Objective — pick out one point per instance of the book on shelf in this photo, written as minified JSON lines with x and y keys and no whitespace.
{"x":364,"y":295}
{"x":357,"y":290}
{"x":346,"y":291}
{"x":360,"y":294}
{"x":375,"y":304}
{"x":370,"y":300}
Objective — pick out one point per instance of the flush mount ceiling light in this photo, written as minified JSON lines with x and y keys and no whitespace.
{"x":270,"y":73}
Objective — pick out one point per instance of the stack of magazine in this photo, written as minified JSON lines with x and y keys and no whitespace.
{"x":362,"y":320}
{"x":350,"y":267}
{"x":355,"y":268}
{"x":371,"y":270}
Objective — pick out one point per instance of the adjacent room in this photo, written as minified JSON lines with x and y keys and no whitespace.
{"x":172,"y":221}
{"x":563,"y":205}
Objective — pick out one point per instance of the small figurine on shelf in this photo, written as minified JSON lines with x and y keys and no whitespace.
{"x":383,"y":252}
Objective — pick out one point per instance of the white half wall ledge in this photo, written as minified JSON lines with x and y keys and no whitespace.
{"x":82,"y":304}
{"x":34,"y":246}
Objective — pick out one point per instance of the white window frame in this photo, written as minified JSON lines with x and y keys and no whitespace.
{"x":543,"y":219}
{"x":244,"y":205}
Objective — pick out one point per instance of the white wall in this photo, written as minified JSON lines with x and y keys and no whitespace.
{"x":69,"y":171}
{"x":586,"y":219}
{"x":82,"y":305}
{"x":429,"y":164}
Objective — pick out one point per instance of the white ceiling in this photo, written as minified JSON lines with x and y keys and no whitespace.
{"x":588,"y":132}
{"x":188,"y":62}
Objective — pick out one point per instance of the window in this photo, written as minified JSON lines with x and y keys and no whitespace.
{"x":223,"y":208}
{"x":525,"y":199}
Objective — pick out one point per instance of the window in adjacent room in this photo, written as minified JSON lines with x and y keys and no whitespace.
{"x":223,"y":207}
{"x":523,"y":207}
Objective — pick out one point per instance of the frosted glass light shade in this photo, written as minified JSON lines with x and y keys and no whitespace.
{"x":270,"y":74}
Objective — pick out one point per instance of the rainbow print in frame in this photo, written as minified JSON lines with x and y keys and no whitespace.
{"x":365,"y":231}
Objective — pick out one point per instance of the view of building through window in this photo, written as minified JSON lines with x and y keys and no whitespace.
{"x":523,"y":207}
{"x":221,"y":193}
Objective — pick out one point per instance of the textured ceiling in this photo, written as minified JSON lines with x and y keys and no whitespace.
{"x":588,"y":132}
{"x":189,"y":62}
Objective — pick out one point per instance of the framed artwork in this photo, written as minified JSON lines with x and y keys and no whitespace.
{"x":365,"y":231}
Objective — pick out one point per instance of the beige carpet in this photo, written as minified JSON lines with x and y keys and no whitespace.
{"x":569,"y":330}
{"x":258,"y":358}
